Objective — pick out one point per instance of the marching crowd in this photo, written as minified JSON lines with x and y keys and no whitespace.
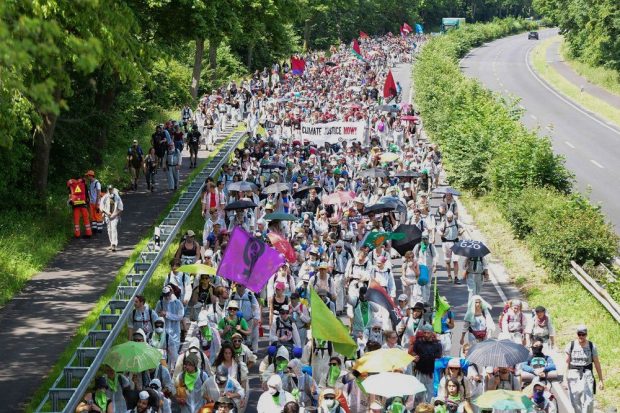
{"x":366,"y":225}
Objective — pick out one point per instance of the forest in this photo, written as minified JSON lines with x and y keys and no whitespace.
{"x":591,"y":28}
{"x":77,"y":77}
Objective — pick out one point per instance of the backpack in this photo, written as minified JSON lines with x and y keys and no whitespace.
{"x":148,"y":311}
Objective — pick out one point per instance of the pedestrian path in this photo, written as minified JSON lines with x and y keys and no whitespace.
{"x":39,"y":323}
{"x":556,"y":61}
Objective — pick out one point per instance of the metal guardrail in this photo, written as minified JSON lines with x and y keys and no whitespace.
{"x":82,"y":367}
{"x":597,"y":291}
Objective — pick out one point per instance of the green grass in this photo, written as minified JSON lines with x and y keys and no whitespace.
{"x":569,"y":303}
{"x":600,"y":76}
{"x":151,"y":288}
{"x":562,"y":85}
{"x":23,"y":251}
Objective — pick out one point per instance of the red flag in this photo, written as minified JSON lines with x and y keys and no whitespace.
{"x":407,"y":29}
{"x":343,"y":402}
{"x":389,"y":88}
{"x":298,"y":65}
{"x":357,"y":52}
{"x":282,"y":245}
{"x":364,"y":35}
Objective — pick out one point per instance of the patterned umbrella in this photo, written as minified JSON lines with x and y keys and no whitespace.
{"x":504,"y":400}
{"x":470,"y":248}
{"x":497,"y":353}
{"x":133,"y":357}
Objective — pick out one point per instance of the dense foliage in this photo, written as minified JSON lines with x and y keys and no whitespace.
{"x":591,"y":28}
{"x":487,"y":151}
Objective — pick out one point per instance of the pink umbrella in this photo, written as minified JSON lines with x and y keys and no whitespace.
{"x":340,"y":197}
{"x":409,"y":118}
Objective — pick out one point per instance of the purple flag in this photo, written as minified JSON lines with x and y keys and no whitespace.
{"x":249,"y":261}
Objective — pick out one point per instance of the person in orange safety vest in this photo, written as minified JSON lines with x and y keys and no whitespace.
{"x":78,"y":199}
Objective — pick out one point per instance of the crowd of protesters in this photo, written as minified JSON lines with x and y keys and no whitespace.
{"x":209,"y":329}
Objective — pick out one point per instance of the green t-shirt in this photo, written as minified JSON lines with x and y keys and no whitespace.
{"x":225,"y":321}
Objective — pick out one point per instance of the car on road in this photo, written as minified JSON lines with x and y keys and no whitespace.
{"x":532,"y":35}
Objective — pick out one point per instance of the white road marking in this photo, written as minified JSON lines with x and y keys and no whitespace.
{"x":533,"y":117}
{"x":596,"y":163}
{"x":569,"y":144}
{"x":562,"y":98}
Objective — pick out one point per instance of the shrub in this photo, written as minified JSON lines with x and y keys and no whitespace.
{"x":487,"y":150}
{"x":573,"y":230}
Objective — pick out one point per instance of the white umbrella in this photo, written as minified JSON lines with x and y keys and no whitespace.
{"x":390,"y":384}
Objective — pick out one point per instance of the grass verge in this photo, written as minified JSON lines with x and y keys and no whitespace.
{"x":569,"y":303}
{"x":607,"y":79}
{"x":568,"y":89}
{"x":24,"y":252}
{"x":92,"y":317}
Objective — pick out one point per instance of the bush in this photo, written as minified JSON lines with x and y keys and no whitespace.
{"x":573,"y":229}
{"x":487,"y":150}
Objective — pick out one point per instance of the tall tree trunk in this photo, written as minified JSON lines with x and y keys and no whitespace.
{"x":250,"y":55}
{"x":104,"y":100}
{"x":200,"y":50}
{"x":214,"y":44}
{"x":307,"y":27}
{"x":43,"y":138}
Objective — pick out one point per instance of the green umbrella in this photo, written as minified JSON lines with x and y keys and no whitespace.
{"x":197,"y":269}
{"x":504,"y":400}
{"x":133,"y":357}
{"x":280,"y":216}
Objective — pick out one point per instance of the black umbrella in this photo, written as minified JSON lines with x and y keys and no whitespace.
{"x":408,"y":174}
{"x":330,"y":64}
{"x":276,"y":188}
{"x":273,"y":166}
{"x":378,"y":209}
{"x":413,"y":235}
{"x":374,"y":173}
{"x":447,"y":190}
{"x":244,"y":186}
{"x":240,"y":205}
{"x":303,"y":191}
{"x":398,"y":205}
{"x":470,"y":248}
{"x":389,"y":108}
{"x":497,"y":353}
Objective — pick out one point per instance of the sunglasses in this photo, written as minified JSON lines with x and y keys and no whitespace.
{"x":283,"y":312}
{"x":237,"y":341}
{"x":329,"y":398}
{"x":582,"y":334}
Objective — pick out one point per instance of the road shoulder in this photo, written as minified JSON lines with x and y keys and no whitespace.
{"x":545,"y":60}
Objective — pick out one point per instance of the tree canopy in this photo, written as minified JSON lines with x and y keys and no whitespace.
{"x":78,"y":76}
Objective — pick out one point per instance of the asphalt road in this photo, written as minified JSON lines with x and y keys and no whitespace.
{"x":590,"y":145}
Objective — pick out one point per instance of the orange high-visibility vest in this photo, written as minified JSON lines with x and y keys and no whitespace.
{"x":78,"y":194}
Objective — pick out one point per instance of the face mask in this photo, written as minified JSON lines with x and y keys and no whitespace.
{"x":159,"y":330}
{"x":537,"y":350}
{"x":281,"y":366}
{"x":272,"y":391}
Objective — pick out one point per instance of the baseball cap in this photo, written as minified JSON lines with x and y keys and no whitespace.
{"x":582,"y":329}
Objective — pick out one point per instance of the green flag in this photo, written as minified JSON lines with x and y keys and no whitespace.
{"x":326,"y":326}
{"x":441,"y":308}
{"x":376,"y":238}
